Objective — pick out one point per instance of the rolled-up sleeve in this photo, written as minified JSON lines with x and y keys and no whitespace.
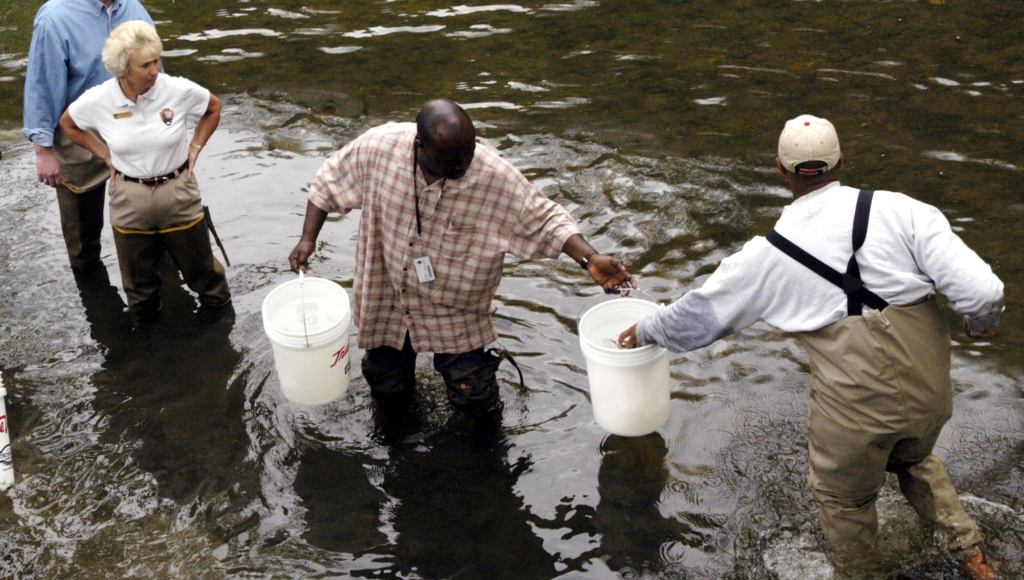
{"x":337,"y":186}
{"x":542,"y":227}
{"x":46,"y":85}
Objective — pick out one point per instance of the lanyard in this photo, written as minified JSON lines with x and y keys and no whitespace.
{"x":415,"y":190}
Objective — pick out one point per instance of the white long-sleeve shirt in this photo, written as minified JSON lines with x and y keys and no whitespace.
{"x":909,"y":253}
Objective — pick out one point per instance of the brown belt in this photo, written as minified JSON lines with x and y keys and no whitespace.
{"x":158,"y":180}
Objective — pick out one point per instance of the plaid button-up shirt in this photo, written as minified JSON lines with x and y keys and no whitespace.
{"x":468,"y":225}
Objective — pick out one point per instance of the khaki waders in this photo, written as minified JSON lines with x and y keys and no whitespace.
{"x":149,"y":220}
{"x":880,"y":394}
{"x":80,"y":201}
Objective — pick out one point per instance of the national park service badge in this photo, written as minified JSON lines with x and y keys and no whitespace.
{"x":167,"y":115}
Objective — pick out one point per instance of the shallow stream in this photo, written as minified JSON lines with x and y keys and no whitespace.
{"x":173,"y":453}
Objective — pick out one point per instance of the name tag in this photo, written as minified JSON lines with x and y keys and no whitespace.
{"x":123,"y":115}
{"x":424,"y":271}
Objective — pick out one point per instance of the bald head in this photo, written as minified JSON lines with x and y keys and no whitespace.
{"x":445,"y":139}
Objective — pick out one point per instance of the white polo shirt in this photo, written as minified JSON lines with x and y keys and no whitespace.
{"x":148,"y":138}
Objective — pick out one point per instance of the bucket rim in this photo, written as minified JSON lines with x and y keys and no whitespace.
{"x":640,"y":350}
{"x":321,"y":337}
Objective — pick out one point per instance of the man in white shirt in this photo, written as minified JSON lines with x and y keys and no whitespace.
{"x":861,"y":299}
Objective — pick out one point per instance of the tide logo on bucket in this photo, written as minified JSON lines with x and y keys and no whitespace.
{"x":339,"y":355}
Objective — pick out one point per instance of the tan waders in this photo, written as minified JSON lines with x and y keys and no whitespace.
{"x":880,"y":394}
{"x":151,"y":219}
{"x":80,"y":201}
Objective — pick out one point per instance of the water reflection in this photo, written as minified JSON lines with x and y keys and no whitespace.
{"x":656,"y":125}
{"x":173,"y":388}
{"x":343,"y":507}
{"x":636,"y":536}
{"x":448,"y":495}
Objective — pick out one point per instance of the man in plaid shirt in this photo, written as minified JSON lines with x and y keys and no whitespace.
{"x":439,"y":212}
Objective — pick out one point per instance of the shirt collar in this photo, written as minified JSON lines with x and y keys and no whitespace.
{"x":120,"y":99}
{"x":115,"y":6}
{"x":817,"y":192}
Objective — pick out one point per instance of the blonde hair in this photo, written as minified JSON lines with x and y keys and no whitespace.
{"x":134,"y":36}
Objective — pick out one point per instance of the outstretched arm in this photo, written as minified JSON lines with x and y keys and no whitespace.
{"x":607,"y":271}
{"x":315,"y":217}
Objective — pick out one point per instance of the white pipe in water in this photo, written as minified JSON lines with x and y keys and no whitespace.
{"x":6,"y":455}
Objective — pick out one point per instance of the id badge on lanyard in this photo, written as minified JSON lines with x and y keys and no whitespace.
{"x":424,"y":269}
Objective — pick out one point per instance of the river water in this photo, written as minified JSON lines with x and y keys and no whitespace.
{"x":173,"y":452}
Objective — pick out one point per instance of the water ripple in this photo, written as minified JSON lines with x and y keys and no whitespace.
{"x":565,"y":103}
{"x":286,"y":14}
{"x":386,"y":30}
{"x":755,"y":69}
{"x":479,"y":31}
{"x":860,"y":73}
{"x":339,"y":49}
{"x":492,"y":105}
{"x":216,"y":33}
{"x":178,"y":52}
{"x":526,"y":87}
{"x":231,"y":55}
{"x":961,"y":158}
{"x":462,"y":10}
{"x":574,"y":7}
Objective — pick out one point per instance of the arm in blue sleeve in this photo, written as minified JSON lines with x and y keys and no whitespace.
{"x":735,"y":296}
{"x":687,"y":324}
{"x":46,"y":85}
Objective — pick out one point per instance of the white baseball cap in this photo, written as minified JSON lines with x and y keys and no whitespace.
{"x":809,"y":138}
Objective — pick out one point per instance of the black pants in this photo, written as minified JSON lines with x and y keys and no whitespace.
{"x":139,"y":256}
{"x":469,"y":376}
{"x":81,"y":221}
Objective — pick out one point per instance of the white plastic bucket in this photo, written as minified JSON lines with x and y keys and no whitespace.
{"x":311,"y":356}
{"x":629,"y":388}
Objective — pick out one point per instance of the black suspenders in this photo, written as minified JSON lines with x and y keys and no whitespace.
{"x":856,"y":294}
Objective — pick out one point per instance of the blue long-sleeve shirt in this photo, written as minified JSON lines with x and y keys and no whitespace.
{"x":65,"y":58}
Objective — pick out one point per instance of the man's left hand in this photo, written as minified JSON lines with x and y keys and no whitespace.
{"x":611,"y":274}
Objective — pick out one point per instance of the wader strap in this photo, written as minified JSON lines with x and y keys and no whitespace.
{"x":856,"y":294}
{"x":853,"y":285}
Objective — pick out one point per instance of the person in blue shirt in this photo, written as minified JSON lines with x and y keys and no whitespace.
{"x":64,"y":60}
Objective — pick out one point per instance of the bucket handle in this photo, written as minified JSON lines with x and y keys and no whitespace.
{"x":584,"y":308}
{"x":302,"y":297}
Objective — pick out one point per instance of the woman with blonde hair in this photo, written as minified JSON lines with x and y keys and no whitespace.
{"x":142,"y":117}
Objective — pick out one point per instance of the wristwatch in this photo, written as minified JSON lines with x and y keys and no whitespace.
{"x":585,"y":260}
